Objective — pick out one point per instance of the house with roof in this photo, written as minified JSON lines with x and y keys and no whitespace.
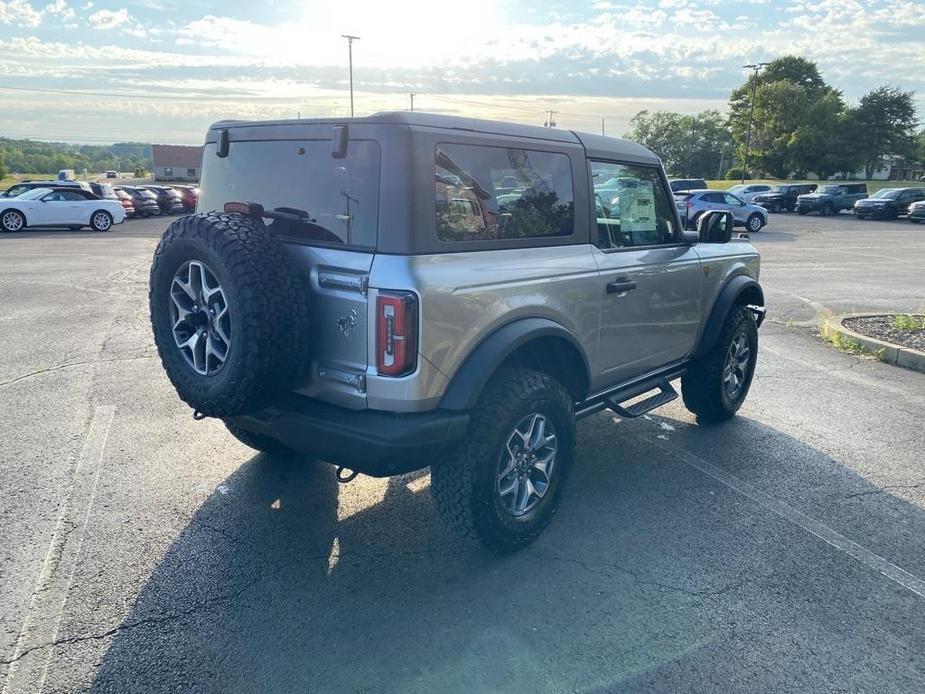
{"x":176,"y":162}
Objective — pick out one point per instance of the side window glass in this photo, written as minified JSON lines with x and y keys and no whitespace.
{"x":713,"y":197}
{"x":632,"y":206}
{"x":732,"y":199}
{"x":486,"y":193}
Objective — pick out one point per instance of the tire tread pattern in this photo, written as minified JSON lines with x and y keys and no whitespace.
{"x":270,"y":308}
{"x":455,"y":480}
{"x":701,"y":385}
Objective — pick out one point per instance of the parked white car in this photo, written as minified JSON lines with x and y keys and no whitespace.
{"x":748,"y":191}
{"x":59,"y":207}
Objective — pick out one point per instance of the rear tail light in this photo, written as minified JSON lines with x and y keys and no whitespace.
{"x":396,"y":333}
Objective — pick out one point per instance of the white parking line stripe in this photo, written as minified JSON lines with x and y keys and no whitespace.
{"x":31,"y":658}
{"x":798,"y":518}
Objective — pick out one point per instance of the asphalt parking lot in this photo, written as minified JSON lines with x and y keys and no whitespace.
{"x":143,"y":551}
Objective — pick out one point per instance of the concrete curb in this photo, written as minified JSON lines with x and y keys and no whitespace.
{"x":884,"y":351}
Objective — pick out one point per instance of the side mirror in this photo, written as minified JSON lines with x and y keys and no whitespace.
{"x":715,"y":226}
{"x":690,"y":237}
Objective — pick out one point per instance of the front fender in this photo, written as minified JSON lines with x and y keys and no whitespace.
{"x":730,"y":294}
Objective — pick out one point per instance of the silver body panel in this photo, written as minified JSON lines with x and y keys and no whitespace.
{"x":466,"y":291}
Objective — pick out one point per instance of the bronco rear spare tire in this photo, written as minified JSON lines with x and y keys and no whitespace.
{"x":229,"y":316}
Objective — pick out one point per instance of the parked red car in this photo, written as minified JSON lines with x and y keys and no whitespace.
{"x":126,"y":201}
{"x":189,"y":195}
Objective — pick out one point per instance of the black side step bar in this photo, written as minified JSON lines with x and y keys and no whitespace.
{"x":665,"y":395}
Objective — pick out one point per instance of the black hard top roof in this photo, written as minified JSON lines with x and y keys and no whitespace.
{"x":595,"y":145}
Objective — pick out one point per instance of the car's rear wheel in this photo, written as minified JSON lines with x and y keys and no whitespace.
{"x":504,"y":484}
{"x":715,"y":385}
{"x":101,"y":220}
{"x":12,"y":220}
{"x":754,"y":223}
{"x":827,"y":209}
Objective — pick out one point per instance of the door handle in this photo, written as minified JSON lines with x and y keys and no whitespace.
{"x":621,"y":284}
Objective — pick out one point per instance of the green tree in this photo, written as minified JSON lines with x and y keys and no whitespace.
{"x":795,"y":118}
{"x":886,"y":119}
{"x":2,"y":168}
{"x":689,"y":145}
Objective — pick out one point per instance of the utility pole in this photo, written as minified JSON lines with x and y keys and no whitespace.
{"x":756,"y":68}
{"x":550,"y":119}
{"x":412,"y":95}
{"x":350,"y":40}
{"x":602,"y":125}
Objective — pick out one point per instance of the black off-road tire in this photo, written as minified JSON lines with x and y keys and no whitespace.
{"x":702,"y":384}
{"x":464,"y":486}
{"x":267,"y":308}
{"x":259,"y":442}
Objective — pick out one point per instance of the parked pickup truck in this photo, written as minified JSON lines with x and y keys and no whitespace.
{"x":832,"y":198}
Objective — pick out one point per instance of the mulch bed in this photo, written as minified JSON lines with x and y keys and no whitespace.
{"x":884,"y":328}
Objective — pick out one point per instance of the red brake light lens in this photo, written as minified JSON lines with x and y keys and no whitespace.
{"x":396,"y":333}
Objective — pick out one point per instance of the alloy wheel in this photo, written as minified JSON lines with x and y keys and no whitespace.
{"x":736,"y":364}
{"x":200,"y":317}
{"x":527,"y":464}
{"x":12,"y":221}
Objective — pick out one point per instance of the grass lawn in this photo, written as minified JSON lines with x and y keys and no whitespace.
{"x":872,"y":186}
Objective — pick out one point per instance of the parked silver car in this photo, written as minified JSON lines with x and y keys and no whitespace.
{"x":692,"y":204}
{"x":410,"y":290}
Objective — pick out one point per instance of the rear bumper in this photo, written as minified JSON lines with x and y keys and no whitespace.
{"x":374,"y":443}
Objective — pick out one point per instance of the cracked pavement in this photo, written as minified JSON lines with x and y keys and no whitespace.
{"x":200,"y":566}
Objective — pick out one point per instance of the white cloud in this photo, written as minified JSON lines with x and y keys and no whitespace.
{"x":109,"y":19}
{"x":86,"y":5}
{"x":60,"y":8}
{"x":19,"y":12}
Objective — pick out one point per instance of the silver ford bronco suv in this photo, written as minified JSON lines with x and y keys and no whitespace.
{"x":409,"y":290}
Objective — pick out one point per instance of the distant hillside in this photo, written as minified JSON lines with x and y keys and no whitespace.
{"x":31,"y":155}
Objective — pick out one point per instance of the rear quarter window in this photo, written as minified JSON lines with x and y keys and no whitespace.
{"x":487,"y":193}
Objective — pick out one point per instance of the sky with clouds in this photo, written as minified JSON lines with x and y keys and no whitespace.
{"x":178,"y":65}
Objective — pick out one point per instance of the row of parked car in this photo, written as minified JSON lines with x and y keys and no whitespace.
{"x":76,"y":204}
{"x":749,"y":202}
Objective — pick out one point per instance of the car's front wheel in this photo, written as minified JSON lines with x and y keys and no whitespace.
{"x":504,"y":484}
{"x":101,"y":220}
{"x":12,"y":220}
{"x":754,"y":223}
{"x":716,"y":384}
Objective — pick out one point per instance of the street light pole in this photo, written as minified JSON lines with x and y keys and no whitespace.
{"x":350,"y":40}
{"x":756,"y":67}
{"x":412,"y":95}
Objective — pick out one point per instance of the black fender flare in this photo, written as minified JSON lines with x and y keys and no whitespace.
{"x":472,"y":376}
{"x":728,"y":297}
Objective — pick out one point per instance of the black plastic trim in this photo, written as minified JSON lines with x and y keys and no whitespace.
{"x":631,"y":389}
{"x":379,"y":444}
{"x":721,"y":307}
{"x":470,"y":379}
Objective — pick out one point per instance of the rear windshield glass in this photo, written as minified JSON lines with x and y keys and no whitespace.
{"x":337,"y":199}
{"x":485,"y":193}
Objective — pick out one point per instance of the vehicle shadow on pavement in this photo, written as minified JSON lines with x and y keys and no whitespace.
{"x":652,"y":574}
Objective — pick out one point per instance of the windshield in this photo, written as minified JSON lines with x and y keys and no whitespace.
{"x":829,"y":189}
{"x":887,"y":194}
{"x":34,"y":194}
{"x":337,"y":199}
{"x":780,"y":189}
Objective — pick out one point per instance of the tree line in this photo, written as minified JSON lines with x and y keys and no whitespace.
{"x":802,"y":126}
{"x":30,"y":156}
